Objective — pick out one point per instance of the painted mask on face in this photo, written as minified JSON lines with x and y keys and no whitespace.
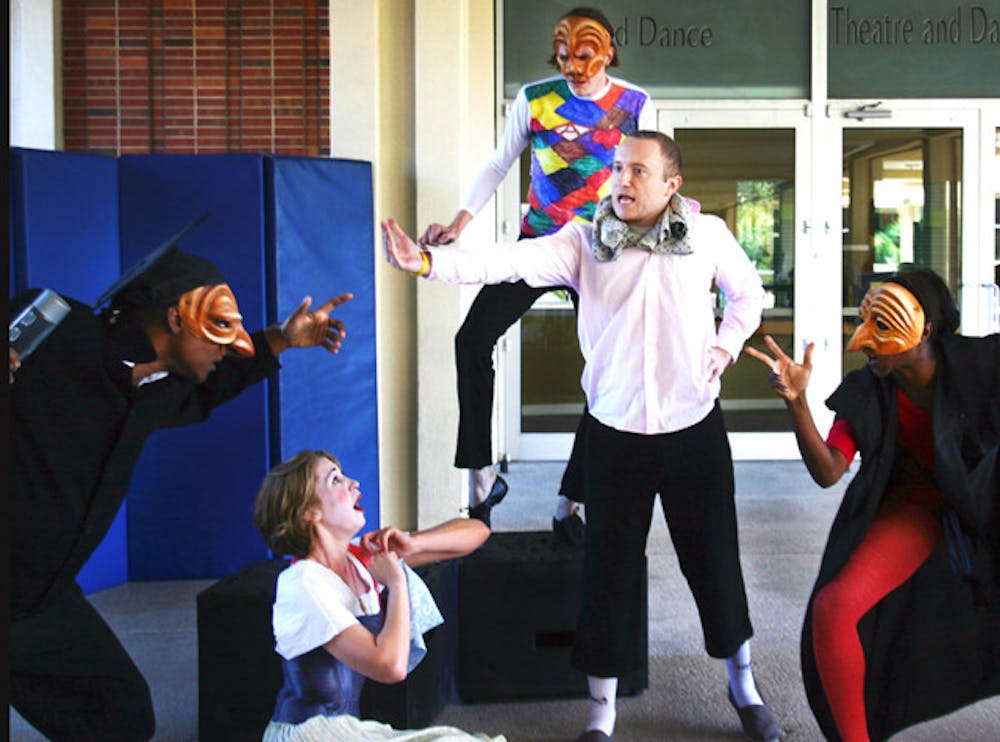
{"x":574,"y":33}
{"x":210,"y":313}
{"x":892,"y":321}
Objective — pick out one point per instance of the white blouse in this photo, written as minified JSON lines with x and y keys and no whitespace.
{"x":313,"y":604}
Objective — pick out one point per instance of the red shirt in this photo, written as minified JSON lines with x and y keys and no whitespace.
{"x":916,"y":432}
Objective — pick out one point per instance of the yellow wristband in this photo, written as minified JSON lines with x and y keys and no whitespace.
{"x":425,"y":259}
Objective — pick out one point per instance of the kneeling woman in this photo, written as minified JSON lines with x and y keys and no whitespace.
{"x":330,"y":627}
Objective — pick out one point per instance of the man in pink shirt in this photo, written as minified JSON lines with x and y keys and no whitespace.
{"x":654,"y":359}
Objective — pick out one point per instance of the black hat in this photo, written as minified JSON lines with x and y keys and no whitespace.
{"x":173,"y":274}
{"x":162,"y":276}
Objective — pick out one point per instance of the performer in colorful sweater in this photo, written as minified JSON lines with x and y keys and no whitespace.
{"x":573,"y":122}
{"x":902,"y":623}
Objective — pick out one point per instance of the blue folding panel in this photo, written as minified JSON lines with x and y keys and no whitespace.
{"x":322,"y":233}
{"x":191,"y":500}
{"x":64,"y":222}
{"x":278,"y":228}
{"x":64,"y":236}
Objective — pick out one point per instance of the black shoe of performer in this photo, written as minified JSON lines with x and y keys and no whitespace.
{"x":570,"y":529}
{"x":482,"y":510}
{"x":757,"y":721}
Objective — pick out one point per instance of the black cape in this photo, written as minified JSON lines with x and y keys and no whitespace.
{"x":932,"y":645}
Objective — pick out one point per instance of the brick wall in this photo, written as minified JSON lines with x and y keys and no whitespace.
{"x":196,"y":76}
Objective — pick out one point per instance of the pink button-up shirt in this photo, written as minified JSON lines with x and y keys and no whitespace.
{"x":646,"y":321}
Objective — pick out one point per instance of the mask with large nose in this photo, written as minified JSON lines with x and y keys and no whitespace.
{"x":892,"y":321}
{"x":210,"y":313}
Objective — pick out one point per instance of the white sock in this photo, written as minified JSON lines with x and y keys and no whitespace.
{"x":482,"y":483}
{"x":603,"y":694}
{"x":565,"y":507}
{"x":741,"y":680}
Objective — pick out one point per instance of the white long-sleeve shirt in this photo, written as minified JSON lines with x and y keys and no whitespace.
{"x":646,"y":320}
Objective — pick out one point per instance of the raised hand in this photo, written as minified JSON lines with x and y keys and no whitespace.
{"x":305,"y":329}
{"x":788,"y":378}
{"x":386,"y":567}
{"x":400,"y":251}
{"x":389,"y":538}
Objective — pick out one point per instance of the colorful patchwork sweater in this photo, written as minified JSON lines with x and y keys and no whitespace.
{"x":572,"y":140}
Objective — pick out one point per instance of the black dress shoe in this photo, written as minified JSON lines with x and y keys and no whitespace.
{"x":757,"y":721}
{"x":594,"y":735}
{"x":570,"y":529}
{"x":482,"y":510}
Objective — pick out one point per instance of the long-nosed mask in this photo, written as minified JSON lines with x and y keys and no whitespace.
{"x":210,"y":313}
{"x":892,"y":321}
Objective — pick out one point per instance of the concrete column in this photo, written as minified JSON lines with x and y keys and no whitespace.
{"x":371,"y":118}
{"x":33,"y":74}
{"x":454,"y":125}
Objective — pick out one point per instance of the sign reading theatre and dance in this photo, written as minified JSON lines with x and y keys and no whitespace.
{"x":763,"y":48}
{"x":969,"y":24}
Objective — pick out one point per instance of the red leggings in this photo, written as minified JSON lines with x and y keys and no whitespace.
{"x":900,"y":538}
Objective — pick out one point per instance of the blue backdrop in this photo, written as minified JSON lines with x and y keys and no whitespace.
{"x":64,"y":236}
{"x":278,"y":228}
{"x":324,"y":401}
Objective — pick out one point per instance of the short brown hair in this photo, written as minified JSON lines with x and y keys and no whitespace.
{"x":672,"y":164}
{"x":285,"y":496}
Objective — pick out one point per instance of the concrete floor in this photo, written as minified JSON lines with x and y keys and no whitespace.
{"x":783,"y":524}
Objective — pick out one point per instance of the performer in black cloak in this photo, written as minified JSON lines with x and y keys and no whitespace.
{"x":169,"y":349}
{"x":903,"y":624}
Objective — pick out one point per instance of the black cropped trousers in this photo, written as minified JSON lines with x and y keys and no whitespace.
{"x":692,"y":471}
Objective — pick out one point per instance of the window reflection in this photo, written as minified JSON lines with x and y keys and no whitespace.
{"x":747,"y":178}
{"x":901,"y":208}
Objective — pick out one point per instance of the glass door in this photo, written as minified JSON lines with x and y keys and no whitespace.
{"x":750,"y":168}
{"x":902,"y":208}
{"x":824,"y":202}
{"x":915,"y":192}
{"x":746,"y":166}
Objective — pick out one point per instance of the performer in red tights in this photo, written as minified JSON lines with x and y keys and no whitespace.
{"x":903,"y":623}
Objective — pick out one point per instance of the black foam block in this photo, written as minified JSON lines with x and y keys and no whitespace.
{"x":239,"y":674}
{"x":519,"y":597}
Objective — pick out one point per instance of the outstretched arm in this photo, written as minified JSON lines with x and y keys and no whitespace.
{"x":515,"y":138}
{"x":307,"y":329}
{"x":453,"y":538}
{"x":789,"y":379}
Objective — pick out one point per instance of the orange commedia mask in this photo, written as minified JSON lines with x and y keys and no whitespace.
{"x":892,"y":321}
{"x":210,"y":313}
{"x":574,"y":33}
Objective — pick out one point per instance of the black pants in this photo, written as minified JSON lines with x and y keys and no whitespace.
{"x":71,"y":679}
{"x":692,"y":470}
{"x":494,"y":310}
